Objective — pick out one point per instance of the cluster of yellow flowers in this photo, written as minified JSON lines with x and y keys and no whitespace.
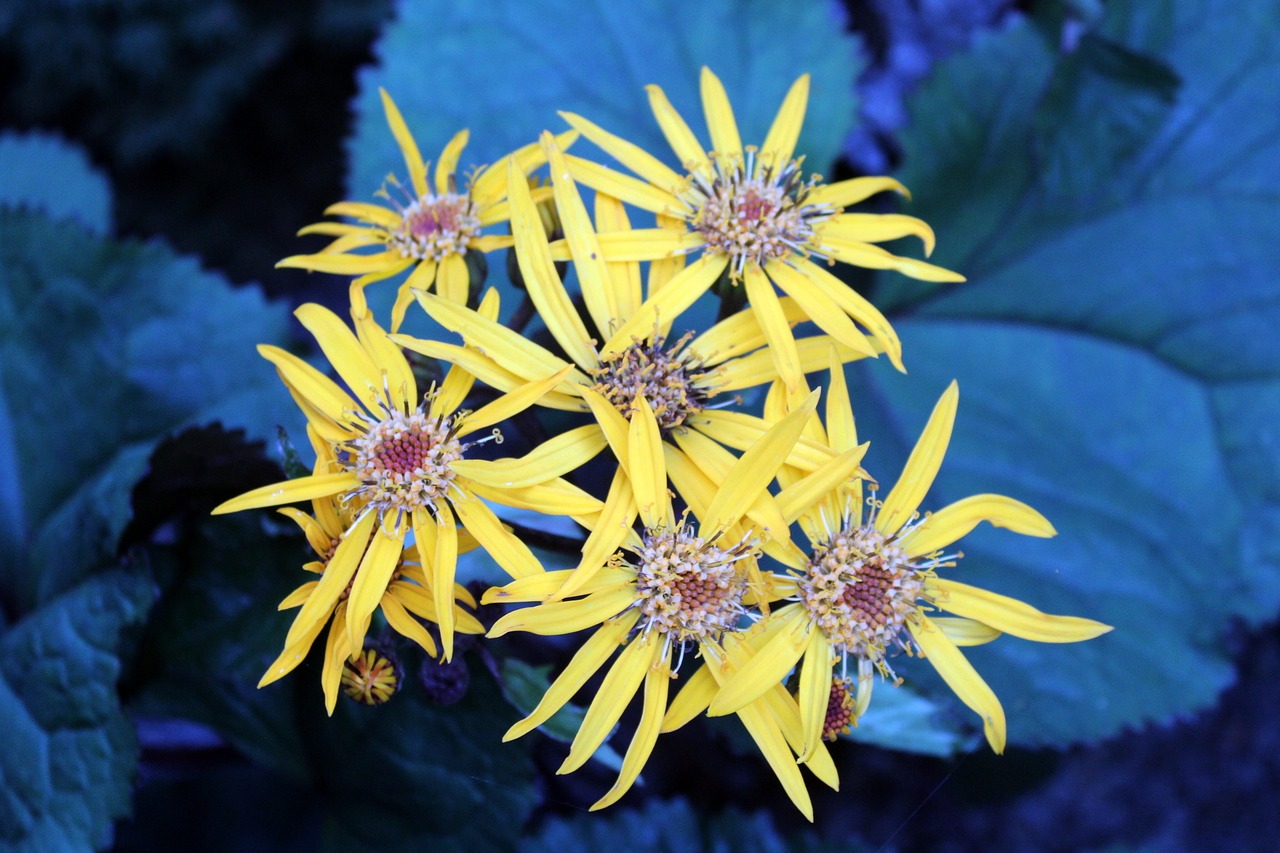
{"x":670,"y":574}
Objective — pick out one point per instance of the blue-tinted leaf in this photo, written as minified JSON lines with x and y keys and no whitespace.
{"x":899,"y":718}
{"x":70,"y":754}
{"x":44,"y":173}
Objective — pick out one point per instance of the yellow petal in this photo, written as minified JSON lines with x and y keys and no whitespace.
{"x":340,"y":345}
{"x":663,"y":270}
{"x":962,"y":678}
{"x":873,"y":257}
{"x":443,"y":570}
{"x":799,"y":497}
{"x":773,"y":322}
{"x":418,"y":600}
{"x":628,"y":154}
{"x":825,"y":313}
{"x":336,"y":653}
{"x":586,"y":661}
{"x":542,"y":282}
{"x":386,"y":355}
{"x":345,"y":264}
{"x":773,"y":746}
{"x":647,"y":244}
{"x":422,"y":277}
{"x":606,"y":307}
{"x":405,"y":625}
{"x":922,"y":465}
{"x":612,"y":423}
{"x":555,"y":457}
{"x":677,"y":132}
{"x":1012,"y":616}
{"x":624,"y":187}
{"x":511,"y":403}
{"x":769,"y":666}
{"x":294,"y":653}
{"x":611,"y":216}
{"x":507,"y":550}
{"x":453,"y":279}
{"x":412,"y":157}
{"x":453,"y":391}
{"x":620,"y":684}
{"x":491,"y":185}
{"x":845,"y":193}
{"x":759,"y":367}
{"x":447,"y":167}
{"x":554,"y":497}
{"x":371,"y":581}
{"x":965,"y":632}
{"x":692,"y":700}
{"x":299,"y":489}
{"x":564,"y":617}
{"x":878,"y":227}
{"x":615,"y":522}
{"x":740,"y":333}
{"x":298,"y":597}
{"x":680,"y":293}
{"x":842,"y":432}
{"x":539,"y":588}
{"x":647,"y":471}
{"x":724,"y":130}
{"x":740,"y":430}
{"x":950,"y":523}
{"x":780,"y":144}
{"x":319,"y":390}
{"x":750,"y":476}
{"x":815,"y":691}
{"x":319,"y":539}
{"x":372,"y":213}
{"x":657,"y":682}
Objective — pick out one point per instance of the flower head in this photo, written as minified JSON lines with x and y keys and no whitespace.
{"x":400,"y":463}
{"x":670,"y":590}
{"x":755,"y":216}
{"x":430,"y":224}
{"x":869,"y":587}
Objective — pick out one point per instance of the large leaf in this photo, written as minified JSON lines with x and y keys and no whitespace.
{"x":70,"y":754}
{"x":44,"y":173}
{"x":1115,"y":210}
{"x":106,"y":347}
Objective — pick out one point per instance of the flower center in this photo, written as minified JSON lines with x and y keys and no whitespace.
{"x":688,"y":588}
{"x":672,"y":380}
{"x":434,"y":226}
{"x":840,"y":710}
{"x":404,"y":462}
{"x":753,"y":212}
{"x":860,"y":589}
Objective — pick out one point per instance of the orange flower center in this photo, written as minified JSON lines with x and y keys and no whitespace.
{"x":671,"y":379}
{"x":840,"y":710}
{"x":434,"y":226}
{"x":405,"y":462}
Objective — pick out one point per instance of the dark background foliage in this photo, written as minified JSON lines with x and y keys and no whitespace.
{"x":1105,"y":176}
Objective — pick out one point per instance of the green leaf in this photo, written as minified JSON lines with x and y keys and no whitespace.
{"x":1115,"y":347}
{"x":44,"y":173}
{"x":70,"y":754}
{"x":105,"y":348}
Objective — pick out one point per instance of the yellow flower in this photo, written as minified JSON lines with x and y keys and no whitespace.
{"x":370,"y":678}
{"x":674,"y":589}
{"x":406,"y":594}
{"x":679,"y":380}
{"x":753,"y":214}
{"x":431,"y":228}
{"x":869,"y":586}
{"x":400,"y":461}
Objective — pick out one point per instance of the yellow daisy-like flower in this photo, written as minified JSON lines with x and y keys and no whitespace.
{"x":406,"y":595}
{"x":400,"y":462}
{"x":430,"y":228}
{"x":752,"y":213}
{"x":679,"y":380}
{"x":869,"y":586}
{"x":673,"y":589}
{"x":369,"y":678}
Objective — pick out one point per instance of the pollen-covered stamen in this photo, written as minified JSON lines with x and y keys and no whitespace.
{"x":434,"y":226}
{"x":404,"y":461}
{"x":861,"y":588}
{"x":753,"y":212}
{"x":673,"y":380}
{"x":370,"y":678}
{"x":689,"y":588}
{"x":841,"y":713}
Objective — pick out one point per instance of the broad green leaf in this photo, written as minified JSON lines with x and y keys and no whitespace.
{"x":504,"y":70}
{"x":899,"y":718}
{"x":1114,"y":209}
{"x":70,"y":753}
{"x":44,"y":173}
{"x":105,"y":348}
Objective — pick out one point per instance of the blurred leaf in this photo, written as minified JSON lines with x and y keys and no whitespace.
{"x":44,"y":173}
{"x":1115,"y":346}
{"x":70,"y":754}
{"x":524,"y":686}
{"x":105,"y":348}
{"x":672,"y":826}
{"x":898,"y":718}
